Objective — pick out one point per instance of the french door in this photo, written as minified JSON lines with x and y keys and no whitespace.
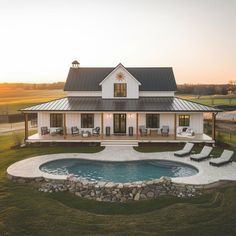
{"x":119,"y":123}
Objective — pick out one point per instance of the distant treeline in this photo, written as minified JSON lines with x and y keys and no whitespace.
{"x":207,"y":89}
{"x":195,"y":89}
{"x":28,"y":86}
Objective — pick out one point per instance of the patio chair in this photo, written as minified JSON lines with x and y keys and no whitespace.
{"x":185,"y":151}
{"x":204,"y":154}
{"x":226,"y":157}
{"x":74,"y":130}
{"x":45,"y":130}
{"x":96,"y":131}
{"x":142,"y":130}
{"x":165,"y":130}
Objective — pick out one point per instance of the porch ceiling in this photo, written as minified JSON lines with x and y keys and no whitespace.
{"x":143,"y":104}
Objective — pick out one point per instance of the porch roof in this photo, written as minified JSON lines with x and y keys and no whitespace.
{"x":143,"y":104}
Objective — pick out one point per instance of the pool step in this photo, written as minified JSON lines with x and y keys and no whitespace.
{"x":119,"y":143}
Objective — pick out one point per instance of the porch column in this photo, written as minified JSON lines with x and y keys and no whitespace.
{"x":175,"y":119}
{"x":26,"y":126}
{"x":214,"y":126}
{"x":136,"y":125}
{"x":64,"y":125}
{"x":101,"y":125}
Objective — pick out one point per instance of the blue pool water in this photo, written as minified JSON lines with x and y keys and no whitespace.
{"x":121,"y":172}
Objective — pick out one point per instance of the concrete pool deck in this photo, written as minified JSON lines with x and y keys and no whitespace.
{"x":29,"y":168}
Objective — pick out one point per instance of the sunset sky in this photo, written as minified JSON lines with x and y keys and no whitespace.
{"x":40,"y":39}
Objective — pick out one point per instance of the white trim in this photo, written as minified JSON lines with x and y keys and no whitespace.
{"x":116,"y":68}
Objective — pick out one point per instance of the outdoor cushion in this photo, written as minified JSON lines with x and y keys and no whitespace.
{"x":225,"y":158}
{"x":203,"y":154}
{"x":185,"y":151}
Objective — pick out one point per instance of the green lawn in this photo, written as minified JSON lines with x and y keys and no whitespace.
{"x":25,"y":211}
{"x":211,"y":100}
{"x":13,"y":100}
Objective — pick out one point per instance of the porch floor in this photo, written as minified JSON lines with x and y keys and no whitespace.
{"x":157,"y":138}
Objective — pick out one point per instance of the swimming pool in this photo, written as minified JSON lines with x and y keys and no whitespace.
{"x":118,"y":172}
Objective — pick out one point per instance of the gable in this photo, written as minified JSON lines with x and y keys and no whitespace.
{"x":151,"y":78}
{"x":120,"y":70}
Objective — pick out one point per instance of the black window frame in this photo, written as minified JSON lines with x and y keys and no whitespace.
{"x":120,"y":92}
{"x":85,"y":121}
{"x":56,"y":120}
{"x":153,"y":121}
{"x":184,"y":120}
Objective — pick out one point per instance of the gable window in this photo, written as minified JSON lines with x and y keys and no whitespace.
{"x":152,"y":120}
{"x":87,"y":120}
{"x":120,"y":90}
{"x":184,"y":120}
{"x":56,"y":120}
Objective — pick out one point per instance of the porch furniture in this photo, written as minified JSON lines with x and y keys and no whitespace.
{"x":108,"y":131}
{"x":57,"y":131}
{"x":185,"y":151}
{"x":96,"y":131}
{"x":85,"y":134}
{"x":204,"y":154}
{"x":45,"y":130}
{"x":152,"y":131}
{"x":74,"y":130}
{"x":165,"y":130}
{"x":131,"y":131}
{"x":142,"y":130}
{"x":226,"y":157}
{"x":185,"y":132}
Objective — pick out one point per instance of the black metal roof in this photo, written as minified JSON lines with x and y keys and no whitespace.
{"x":145,"y":104}
{"x":151,"y":78}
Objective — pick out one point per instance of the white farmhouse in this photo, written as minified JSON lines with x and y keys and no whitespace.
{"x":120,"y":106}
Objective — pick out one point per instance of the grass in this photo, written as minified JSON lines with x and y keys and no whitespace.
{"x":197,"y":147}
{"x":13,"y":100}
{"x":26,"y":211}
{"x":211,"y":100}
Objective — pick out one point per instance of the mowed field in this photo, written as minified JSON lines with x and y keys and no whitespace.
{"x":13,"y":100}
{"x":216,"y":100}
{"x":26,"y":211}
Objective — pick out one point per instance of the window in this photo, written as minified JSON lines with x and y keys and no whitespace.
{"x":87,"y":120}
{"x":120,"y":90}
{"x":152,"y":120}
{"x":184,"y":120}
{"x":56,"y":120}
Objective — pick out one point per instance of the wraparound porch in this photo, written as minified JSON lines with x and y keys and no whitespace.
{"x":134,"y":120}
{"x":124,"y":138}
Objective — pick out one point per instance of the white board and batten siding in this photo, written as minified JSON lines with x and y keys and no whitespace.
{"x":108,"y":84}
{"x":196,"y":121}
{"x":72,"y":119}
{"x":140,"y":93}
{"x":130,"y":122}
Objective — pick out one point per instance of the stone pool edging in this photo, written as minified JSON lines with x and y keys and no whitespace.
{"x":113,"y":192}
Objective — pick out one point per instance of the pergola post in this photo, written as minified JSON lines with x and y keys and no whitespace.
{"x":214,"y":126}
{"x":101,"y":125}
{"x":26,"y":126}
{"x":175,"y":119}
{"x":64,"y":125}
{"x":136,"y":125}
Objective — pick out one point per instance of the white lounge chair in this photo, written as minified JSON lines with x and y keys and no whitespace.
{"x":225,"y":158}
{"x":185,"y":151}
{"x":204,"y":154}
